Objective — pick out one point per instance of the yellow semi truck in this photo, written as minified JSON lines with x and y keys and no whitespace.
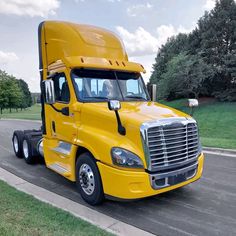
{"x":100,"y":128}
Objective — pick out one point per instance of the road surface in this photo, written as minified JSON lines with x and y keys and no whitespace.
{"x":206,"y":207}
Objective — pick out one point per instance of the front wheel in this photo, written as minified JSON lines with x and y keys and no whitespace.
{"x":88,"y":179}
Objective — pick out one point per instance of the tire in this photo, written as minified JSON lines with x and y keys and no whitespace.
{"x":88,"y":179}
{"x":17,"y":140}
{"x":27,"y":150}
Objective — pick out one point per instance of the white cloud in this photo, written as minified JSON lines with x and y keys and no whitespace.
{"x":31,"y":8}
{"x":138,"y":43}
{"x":142,"y":46}
{"x":7,"y":57}
{"x":138,"y":9}
{"x":166,"y":31}
{"x":142,"y":42}
{"x":77,"y":1}
{"x":147,"y":61}
{"x":209,"y":5}
{"x":113,"y":0}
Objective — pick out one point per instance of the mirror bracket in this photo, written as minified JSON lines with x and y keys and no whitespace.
{"x":65,"y":111}
{"x":114,"y":105}
{"x":121,"y":128}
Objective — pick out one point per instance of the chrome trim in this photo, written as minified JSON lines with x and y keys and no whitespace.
{"x":58,"y":168}
{"x":166,"y":175}
{"x":63,"y":148}
{"x":40,"y":147}
{"x":162,"y":140}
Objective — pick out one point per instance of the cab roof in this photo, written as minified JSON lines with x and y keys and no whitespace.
{"x":78,"y":45}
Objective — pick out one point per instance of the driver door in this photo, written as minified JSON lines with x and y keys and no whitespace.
{"x":62,"y":125}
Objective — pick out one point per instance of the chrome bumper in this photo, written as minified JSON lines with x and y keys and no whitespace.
{"x":173,"y":177}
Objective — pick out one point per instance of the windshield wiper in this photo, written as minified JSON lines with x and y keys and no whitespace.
{"x":136,"y":97}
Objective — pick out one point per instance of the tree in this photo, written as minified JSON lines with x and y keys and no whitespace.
{"x":218,"y":42}
{"x":213,"y":45}
{"x":3,"y":94}
{"x":13,"y":93}
{"x":185,"y":77}
{"x":174,"y":46}
{"x":27,"y":99}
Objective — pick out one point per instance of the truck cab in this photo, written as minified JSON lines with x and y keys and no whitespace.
{"x":100,"y":128}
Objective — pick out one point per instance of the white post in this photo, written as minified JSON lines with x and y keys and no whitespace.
{"x":154,"y":92}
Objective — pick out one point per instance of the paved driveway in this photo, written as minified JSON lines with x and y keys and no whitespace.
{"x":206,"y":207}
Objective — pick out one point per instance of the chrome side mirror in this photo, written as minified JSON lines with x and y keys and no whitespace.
{"x":49,"y":92}
{"x":114,"y":105}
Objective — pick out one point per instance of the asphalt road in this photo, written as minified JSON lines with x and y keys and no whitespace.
{"x":206,"y":207}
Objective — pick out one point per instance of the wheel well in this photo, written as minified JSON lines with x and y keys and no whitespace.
{"x":81,"y":150}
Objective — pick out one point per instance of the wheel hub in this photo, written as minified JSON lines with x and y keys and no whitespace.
{"x":25,"y":149}
{"x":15,"y":143}
{"x":86,"y":178}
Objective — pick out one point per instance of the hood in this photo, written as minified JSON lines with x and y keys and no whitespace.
{"x":147,"y":111}
{"x":131,"y":113}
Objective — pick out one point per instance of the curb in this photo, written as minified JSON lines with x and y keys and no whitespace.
{"x":101,"y":220}
{"x":220,"y":151}
{"x":37,"y":121}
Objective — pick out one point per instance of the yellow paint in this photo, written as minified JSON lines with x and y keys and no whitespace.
{"x":131,"y":184}
{"x":92,"y":125}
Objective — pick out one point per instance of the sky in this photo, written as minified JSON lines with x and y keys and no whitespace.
{"x":142,"y":25}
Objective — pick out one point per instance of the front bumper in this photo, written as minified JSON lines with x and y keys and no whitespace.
{"x":126,"y":184}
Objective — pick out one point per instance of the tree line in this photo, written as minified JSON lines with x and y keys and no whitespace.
{"x":203,"y":62}
{"x":14,"y":93}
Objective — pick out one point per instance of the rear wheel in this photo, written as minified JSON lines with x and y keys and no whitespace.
{"x":17,"y":140}
{"x":88,"y":179}
{"x":27,"y":150}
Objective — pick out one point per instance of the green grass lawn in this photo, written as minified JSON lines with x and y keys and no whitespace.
{"x":22,"y":214}
{"x":32,"y":113}
{"x":216,"y":120}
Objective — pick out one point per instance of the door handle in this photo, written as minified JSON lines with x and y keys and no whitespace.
{"x":54,"y":126}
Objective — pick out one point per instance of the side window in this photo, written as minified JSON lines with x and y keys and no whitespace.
{"x":62,"y":92}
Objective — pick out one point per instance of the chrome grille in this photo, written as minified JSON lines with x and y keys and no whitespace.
{"x":171,"y":144}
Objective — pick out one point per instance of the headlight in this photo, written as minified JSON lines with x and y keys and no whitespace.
{"x":124,"y":158}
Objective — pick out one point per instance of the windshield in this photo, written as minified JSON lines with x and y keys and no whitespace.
{"x":95,"y":85}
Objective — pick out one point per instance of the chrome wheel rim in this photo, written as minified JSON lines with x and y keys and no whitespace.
{"x":25,"y":149}
{"x":15,"y":143}
{"x":86,"y":178}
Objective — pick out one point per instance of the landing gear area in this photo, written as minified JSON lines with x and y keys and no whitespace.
{"x":27,"y":145}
